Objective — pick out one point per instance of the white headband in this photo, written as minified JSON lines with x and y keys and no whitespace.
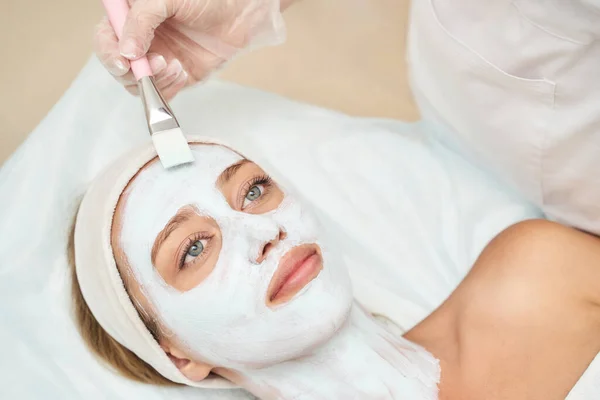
{"x":99,"y":278}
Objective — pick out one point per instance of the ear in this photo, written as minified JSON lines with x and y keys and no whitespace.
{"x":193,"y":370}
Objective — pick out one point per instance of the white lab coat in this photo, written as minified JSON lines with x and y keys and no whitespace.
{"x":515,"y":86}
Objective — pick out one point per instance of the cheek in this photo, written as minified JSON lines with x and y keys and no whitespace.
{"x":299,"y":224}
{"x":277,"y":198}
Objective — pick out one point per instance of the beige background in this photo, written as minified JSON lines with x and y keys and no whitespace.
{"x":342,"y":54}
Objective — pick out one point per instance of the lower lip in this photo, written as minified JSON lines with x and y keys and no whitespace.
{"x":305,"y":273}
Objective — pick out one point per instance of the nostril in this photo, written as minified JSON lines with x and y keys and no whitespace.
{"x":266,"y":250}
{"x":269,"y":246}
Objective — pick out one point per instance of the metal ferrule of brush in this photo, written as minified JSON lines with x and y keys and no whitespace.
{"x":158,"y":113}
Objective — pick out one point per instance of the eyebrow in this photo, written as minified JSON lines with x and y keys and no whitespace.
{"x":230,"y":172}
{"x":174,"y":223}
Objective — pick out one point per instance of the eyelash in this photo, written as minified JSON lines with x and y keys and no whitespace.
{"x":264,"y":180}
{"x":189,"y":243}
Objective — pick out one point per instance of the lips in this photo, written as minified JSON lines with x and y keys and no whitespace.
{"x":296,"y":269}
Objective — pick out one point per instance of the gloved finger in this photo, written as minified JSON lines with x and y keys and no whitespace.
{"x":174,"y":87}
{"x":142,"y":20}
{"x":169,"y":91}
{"x":127,"y":79}
{"x":106,"y":47}
{"x":171,"y":73}
{"x":133,"y":89}
{"x":173,"y":80}
{"x":206,"y":63}
{"x":158,"y":64}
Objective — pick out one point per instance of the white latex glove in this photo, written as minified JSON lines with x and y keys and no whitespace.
{"x":187,"y":39}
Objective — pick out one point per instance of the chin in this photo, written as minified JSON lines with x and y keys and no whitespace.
{"x":293,"y":329}
{"x":310,"y":334}
{"x":318,"y":312}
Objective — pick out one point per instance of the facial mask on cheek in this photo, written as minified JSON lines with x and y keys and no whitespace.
{"x":225,"y":320}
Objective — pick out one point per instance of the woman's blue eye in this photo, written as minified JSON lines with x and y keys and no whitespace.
{"x":259,"y":187}
{"x":195,"y":249}
{"x":193,"y":252}
{"x":254,"y":193}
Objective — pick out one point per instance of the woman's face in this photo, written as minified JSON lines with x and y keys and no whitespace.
{"x":230,"y":265}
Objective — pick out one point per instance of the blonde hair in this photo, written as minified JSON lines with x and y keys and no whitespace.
{"x":111,"y":352}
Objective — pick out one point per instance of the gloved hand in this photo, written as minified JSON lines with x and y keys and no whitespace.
{"x":187,"y":39}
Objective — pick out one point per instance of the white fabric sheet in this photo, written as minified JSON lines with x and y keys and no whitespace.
{"x":409,"y":217}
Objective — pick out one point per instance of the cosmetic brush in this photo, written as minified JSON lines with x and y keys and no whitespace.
{"x":170,"y":143}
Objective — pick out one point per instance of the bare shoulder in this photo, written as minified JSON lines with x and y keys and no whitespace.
{"x":530,"y":308}
{"x":544,"y":258}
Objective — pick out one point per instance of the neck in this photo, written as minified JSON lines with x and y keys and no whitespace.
{"x":365,"y":360}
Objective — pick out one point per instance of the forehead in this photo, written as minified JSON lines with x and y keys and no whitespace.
{"x":154,"y":185}
{"x":158,"y":183}
{"x":210,"y":160}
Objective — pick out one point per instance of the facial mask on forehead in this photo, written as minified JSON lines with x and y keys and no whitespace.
{"x":225,"y":321}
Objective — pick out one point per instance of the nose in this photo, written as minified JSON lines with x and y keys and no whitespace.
{"x":266,"y":247}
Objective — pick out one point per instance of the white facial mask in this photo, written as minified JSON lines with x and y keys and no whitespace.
{"x":225,"y":321}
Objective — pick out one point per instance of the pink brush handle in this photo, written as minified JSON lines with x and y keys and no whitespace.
{"x":117,"y":13}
